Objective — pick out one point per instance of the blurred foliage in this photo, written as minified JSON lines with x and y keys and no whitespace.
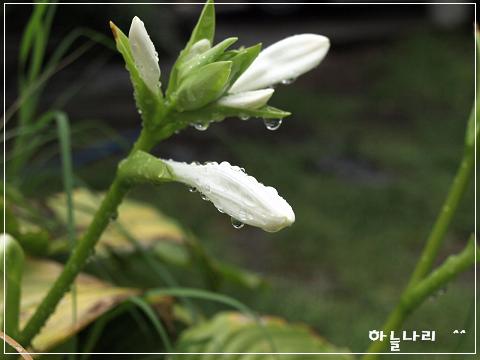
{"x":234,"y":332}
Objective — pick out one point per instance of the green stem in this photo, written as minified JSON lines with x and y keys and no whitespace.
{"x":83,"y":248}
{"x":429,"y":253}
{"x":444,"y":219}
{"x":413,"y":297}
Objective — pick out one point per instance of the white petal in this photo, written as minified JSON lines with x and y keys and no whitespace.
{"x":237,"y":194}
{"x":144,"y":54}
{"x":286,"y":59}
{"x":247,"y":100}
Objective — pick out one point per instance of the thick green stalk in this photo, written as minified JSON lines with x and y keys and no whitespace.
{"x":430,"y":251}
{"x":83,"y":249}
{"x":413,"y":297}
{"x":434,"y":241}
{"x":444,"y":219}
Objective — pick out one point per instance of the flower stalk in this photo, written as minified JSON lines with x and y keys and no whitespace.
{"x":420,"y":285}
{"x":197,"y":93}
{"x":83,"y":248}
{"x":420,"y":291}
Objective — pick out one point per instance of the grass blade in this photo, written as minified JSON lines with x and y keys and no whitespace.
{"x":67,"y":174}
{"x":145,"y":307}
{"x":211,"y":296}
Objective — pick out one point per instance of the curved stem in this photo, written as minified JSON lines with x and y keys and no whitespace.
{"x":430,"y":251}
{"x":444,"y":219}
{"x":413,"y":297}
{"x":83,"y":248}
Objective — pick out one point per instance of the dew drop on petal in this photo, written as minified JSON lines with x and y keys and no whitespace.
{"x":237,"y":224}
{"x":288,"y":81}
{"x":192,"y":189}
{"x":204,"y":197}
{"x":244,"y":117}
{"x":272,"y":124}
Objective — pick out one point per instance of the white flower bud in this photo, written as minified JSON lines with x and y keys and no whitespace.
{"x":282,"y":61}
{"x":144,"y":55}
{"x":235,"y":193}
{"x":247,"y":100}
{"x":198,"y":48}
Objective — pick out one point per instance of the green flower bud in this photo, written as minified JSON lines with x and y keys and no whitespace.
{"x":203,"y":85}
{"x":204,"y":58}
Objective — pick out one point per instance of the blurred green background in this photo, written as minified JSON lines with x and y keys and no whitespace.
{"x":365,"y":161}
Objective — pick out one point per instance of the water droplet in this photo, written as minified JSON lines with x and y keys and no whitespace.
{"x":192,"y":189}
{"x":237,"y":224}
{"x":272,"y":124}
{"x":244,"y":117}
{"x":114,"y":216}
{"x":288,"y":81}
{"x":242,"y":169}
{"x":204,"y":197}
{"x":221,"y":211}
{"x":140,"y":111}
{"x":437,"y":294}
{"x":200,"y":126}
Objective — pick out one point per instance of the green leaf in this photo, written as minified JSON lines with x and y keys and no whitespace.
{"x":234,"y":332}
{"x":149,"y":104}
{"x":242,"y":60}
{"x":205,"y":58}
{"x":33,"y":27}
{"x":205,"y":29}
{"x":215,"y":112}
{"x":203,"y":86}
{"x":162,"y":332}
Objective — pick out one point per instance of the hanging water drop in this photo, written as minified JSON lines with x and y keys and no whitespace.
{"x":244,"y":117}
{"x":272,"y":124}
{"x":192,"y":189}
{"x":288,"y":81}
{"x":237,"y":224}
{"x":200,"y":126}
{"x":204,"y":197}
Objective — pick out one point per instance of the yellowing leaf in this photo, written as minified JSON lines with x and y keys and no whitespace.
{"x":94,"y":297}
{"x":139,"y":220}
